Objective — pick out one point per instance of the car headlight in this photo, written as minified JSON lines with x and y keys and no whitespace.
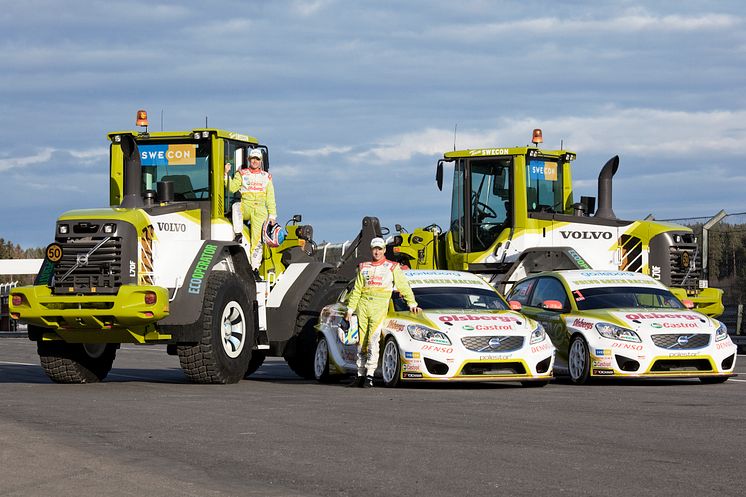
{"x":538,"y":335}
{"x":425,"y":334}
{"x":721,"y":333}
{"x":614,"y":332}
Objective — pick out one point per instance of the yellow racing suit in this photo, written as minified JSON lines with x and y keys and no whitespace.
{"x":369,"y":299}
{"x":257,"y":201}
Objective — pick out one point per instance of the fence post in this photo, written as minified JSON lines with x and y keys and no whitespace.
{"x":706,"y":243}
{"x":738,"y":319}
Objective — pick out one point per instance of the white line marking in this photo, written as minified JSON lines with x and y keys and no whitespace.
{"x":19,"y":363}
{"x":742,"y":381}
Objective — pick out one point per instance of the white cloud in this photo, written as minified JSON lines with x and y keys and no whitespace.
{"x":634,"y":21}
{"x":44,"y":156}
{"x":308,"y":7}
{"x":324,"y":151}
{"x":632,"y":131}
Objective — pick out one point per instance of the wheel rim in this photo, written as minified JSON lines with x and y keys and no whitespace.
{"x":578,"y":358}
{"x":94,"y":350}
{"x":321,"y":358}
{"x":234,"y":329}
{"x":390,"y":362}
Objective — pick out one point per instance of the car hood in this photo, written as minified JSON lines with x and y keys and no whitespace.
{"x":488,"y":322}
{"x":647,"y":320}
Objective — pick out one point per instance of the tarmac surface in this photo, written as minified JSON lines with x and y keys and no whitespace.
{"x":145,"y":431}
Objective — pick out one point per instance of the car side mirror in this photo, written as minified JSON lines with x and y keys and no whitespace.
{"x":552,"y":305}
{"x":688,"y":303}
{"x":515,"y":305}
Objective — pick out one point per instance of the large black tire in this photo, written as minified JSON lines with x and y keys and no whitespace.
{"x":256,"y":361}
{"x":76,"y":362}
{"x":227,"y":321}
{"x":301,"y":348}
{"x":579,"y":361}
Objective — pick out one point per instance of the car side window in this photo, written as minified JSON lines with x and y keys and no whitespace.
{"x":522,"y":291}
{"x":548,"y":289}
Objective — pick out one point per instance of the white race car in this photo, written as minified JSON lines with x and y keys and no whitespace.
{"x":623,"y":324}
{"x":466,"y":332}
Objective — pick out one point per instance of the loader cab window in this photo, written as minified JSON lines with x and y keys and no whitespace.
{"x":185,"y":163}
{"x":544,"y":186}
{"x":481,"y":205}
{"x":237,"y":155}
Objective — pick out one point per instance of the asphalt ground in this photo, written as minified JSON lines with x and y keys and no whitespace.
{"x":145,"y":431}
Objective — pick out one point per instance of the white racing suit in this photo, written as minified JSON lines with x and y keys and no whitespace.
{"x":369,"y":299}
{"x":257,"y":203}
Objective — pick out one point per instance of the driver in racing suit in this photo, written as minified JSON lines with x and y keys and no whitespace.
{"x":257,"y":200}
{"x":369,"y":299}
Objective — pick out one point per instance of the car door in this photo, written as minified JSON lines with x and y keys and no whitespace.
{"x":550,"y":288}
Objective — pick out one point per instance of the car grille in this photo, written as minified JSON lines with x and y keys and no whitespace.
{"x":101,"y":273}
{"x":679,"y":341}
{"x":493,"y":369}
{"x":499,"y":343}
{"x":680,"y":365}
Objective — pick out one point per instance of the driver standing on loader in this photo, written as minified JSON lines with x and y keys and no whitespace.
{"x":369,"y":299}
{"x":257,"y":200}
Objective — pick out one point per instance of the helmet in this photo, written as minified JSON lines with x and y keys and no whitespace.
{"x":347,"y":331}
{"x":255,"y":153}
{"x":272,"y":233}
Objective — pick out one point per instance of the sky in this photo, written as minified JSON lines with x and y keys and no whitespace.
{"x":358,"y":100}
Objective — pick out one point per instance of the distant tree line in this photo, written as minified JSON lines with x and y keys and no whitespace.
{"x":9,"y":250}
{"x":727,"y":261}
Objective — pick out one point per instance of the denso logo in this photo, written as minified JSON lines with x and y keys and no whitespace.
{"x":626,"y":346}
{"x":485,"y":317}
{"x":587,"y":235}
{"x":656,"y":315}
{"x":176,"y":227}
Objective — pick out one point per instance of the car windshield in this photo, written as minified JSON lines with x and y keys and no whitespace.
{"x":625,"y":296}
{"x":453,"y":298}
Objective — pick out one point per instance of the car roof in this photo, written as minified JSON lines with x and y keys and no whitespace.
{"x":423,"y":278}
{"x":577,"y":279}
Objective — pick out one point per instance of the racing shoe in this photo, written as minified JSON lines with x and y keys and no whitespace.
{"x":368,"y":382}
{"x":357,"y":382}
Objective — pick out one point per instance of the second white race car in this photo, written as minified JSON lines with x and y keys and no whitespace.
{"x":466,"y":331}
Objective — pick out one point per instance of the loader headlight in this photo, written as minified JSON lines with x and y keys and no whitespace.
{"x":425,"y":334}
{"x":63,"y":229}
{"x":538,"y":335}
{"x":721,"y":333}
{"x":614,"y":332}
{"x":110,"y":228}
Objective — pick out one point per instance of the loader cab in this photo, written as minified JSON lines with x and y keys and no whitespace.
{"x":498,"y":191}
{"x":186,"y":166}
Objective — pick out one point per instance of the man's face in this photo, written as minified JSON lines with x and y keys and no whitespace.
{"x":378,"y":253}
{"x":255,"y":163}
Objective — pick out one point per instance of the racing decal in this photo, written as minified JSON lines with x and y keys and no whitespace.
{"x":436,"y":348}
{"x":602,"y":363}
{"x":483,"y":317}
{"x":406,"y":374}
{"x":168,"y":155}
{"x":725,"y":344}
{"x":658,"y":315}
{"x":489,"y":151}
{"x":489,"y":327}
{"x":467,"y":327}
{"x":602,"y":278}
{"x":496,"y":357}
{"x":674,"y":325}
{"x":627,"y":346}
{"x":411,"y":367}
{"x":396,"y":326}
{"x":582,"y":324}
{"x":602,"y":352}
{"x":539,"y":348}
{"x":411,"y":355}
{"x":603,"y":372}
